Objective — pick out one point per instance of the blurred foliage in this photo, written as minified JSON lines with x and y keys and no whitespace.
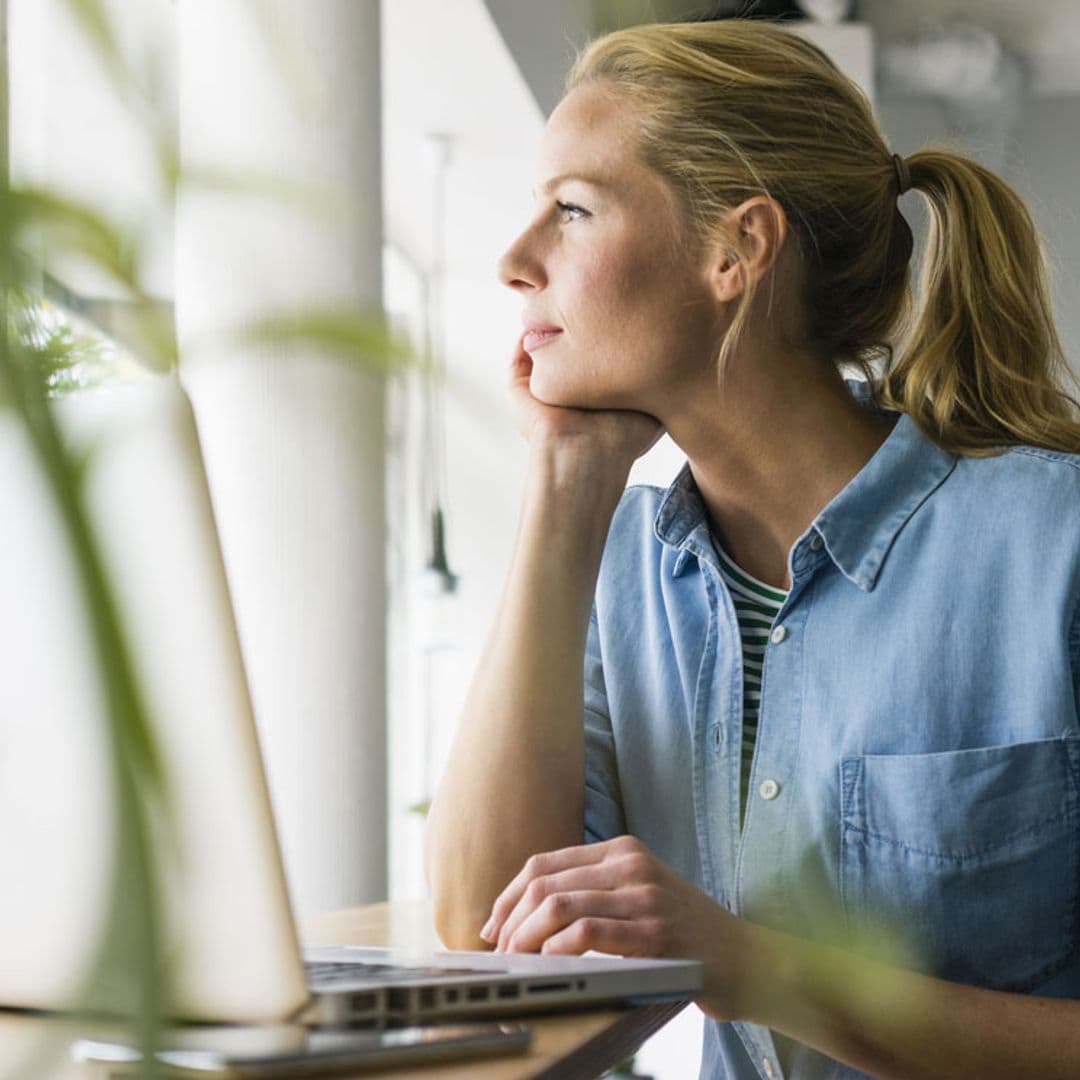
{"x":66,"y":356}
{"x":31,"y":220}
{"x":42,"y":355}
{"x":49,"y":349}
{"x":362,"y":338}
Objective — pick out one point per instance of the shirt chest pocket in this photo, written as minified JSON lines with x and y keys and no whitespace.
{"x":976,"y":853}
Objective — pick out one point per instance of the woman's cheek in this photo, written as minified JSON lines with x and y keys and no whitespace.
{"x":574,"y":376}
{"x":561,"y":383}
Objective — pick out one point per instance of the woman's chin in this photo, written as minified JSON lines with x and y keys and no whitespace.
{"x":560,"y":393}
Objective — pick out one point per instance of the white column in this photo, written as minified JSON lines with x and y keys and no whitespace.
{"x":293,"y":439}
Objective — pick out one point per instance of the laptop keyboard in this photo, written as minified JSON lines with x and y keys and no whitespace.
{"x":327,"y":973}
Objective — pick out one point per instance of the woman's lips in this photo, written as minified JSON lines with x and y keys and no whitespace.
{"x":535,"y":338}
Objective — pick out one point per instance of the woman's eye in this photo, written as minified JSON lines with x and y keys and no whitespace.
{"x":572,"y":212}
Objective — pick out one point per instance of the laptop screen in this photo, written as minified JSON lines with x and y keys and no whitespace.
{"x":231,"y":936}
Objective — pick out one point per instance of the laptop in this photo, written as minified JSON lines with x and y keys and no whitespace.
{"x":232,"y":941}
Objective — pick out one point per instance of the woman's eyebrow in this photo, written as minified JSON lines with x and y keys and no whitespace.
{"x":548,"y":185}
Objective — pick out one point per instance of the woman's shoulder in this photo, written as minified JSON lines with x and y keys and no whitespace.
{"x":649,"y":514}
{"x":638,"y":538}
{"x":1020,"y":509}
{"x":1042,"y":457}
{"x":1022,"y":463}
{"x":1026,"y":473}
{"x":634,"y":520}
{"x":1025,"y":503}
{"x":644,"y":569}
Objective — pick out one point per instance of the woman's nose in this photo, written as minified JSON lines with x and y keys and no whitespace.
{"x":519,"y":269}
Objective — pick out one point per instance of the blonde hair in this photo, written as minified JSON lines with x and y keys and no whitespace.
{"x":731,"y":109}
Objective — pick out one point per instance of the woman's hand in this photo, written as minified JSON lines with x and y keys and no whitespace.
{"x":617,"y":897}
{"x":618,"y":433}
{"x":894,"y":1023}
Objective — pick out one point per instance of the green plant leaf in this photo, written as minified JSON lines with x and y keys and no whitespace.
{"x":354,"y":336}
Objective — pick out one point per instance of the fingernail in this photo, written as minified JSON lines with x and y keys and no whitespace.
{"x":488,"y":932}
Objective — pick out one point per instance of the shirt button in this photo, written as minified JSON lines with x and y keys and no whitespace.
{"x":769,"y":789}
{"x":816,"y":542}
{"x":767,"y":1065}
{"x":778,"y":635}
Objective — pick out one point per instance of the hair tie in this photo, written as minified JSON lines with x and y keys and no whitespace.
{"x":903,"y":175}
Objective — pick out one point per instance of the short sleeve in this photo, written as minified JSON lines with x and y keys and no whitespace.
{"x":603,"y":800}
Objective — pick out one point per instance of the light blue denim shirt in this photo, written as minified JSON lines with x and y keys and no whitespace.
{"x":918,"y":754}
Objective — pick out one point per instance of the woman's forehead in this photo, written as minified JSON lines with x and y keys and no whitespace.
{"x":589,"y":122}
{"x":591,"y":135}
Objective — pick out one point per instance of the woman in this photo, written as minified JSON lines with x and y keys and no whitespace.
{"x":830,"y":743}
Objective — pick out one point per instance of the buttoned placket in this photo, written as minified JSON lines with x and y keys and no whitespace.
{"x":717,"y":713}
{"x":718,"y":716}
{"x":759,"y":848}
{"x":718,"y":674}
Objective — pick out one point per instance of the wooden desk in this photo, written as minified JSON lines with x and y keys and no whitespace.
{"x":566,"y":1047}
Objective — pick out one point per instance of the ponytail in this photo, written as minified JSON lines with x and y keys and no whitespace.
{"x":983,"y":367}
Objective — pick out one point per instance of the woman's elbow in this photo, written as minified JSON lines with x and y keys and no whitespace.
{"x":458,"y":917}
{"x":458,"y":927}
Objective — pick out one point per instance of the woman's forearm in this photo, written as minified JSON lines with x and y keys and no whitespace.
{"x":900,"y":1025}
{"x":514,"y":781}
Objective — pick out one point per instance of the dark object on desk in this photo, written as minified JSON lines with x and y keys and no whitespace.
{"x":294,"y":1051}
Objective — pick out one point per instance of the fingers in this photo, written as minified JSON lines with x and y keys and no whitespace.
{"x":621,"y":937}
{"x":629,"y":862}
{"x":521,"y":364}
{"x":610,"y":873}
{"x":560,"y":911}
{"x":536,"y":866}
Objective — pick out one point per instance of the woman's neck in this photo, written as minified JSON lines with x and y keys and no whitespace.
{"x":768,"y":457}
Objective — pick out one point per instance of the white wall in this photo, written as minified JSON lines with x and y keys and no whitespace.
{"x":1046,"y":173}
{"x":447,"y":69}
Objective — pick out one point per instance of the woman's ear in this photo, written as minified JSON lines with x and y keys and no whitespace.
{"x":760,"y":225}
{"x":726,"y":275}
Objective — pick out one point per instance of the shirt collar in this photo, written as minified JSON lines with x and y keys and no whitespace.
{"x":860,"y":523}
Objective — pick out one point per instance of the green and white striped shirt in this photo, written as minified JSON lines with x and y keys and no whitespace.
{"x":756,"y":608}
